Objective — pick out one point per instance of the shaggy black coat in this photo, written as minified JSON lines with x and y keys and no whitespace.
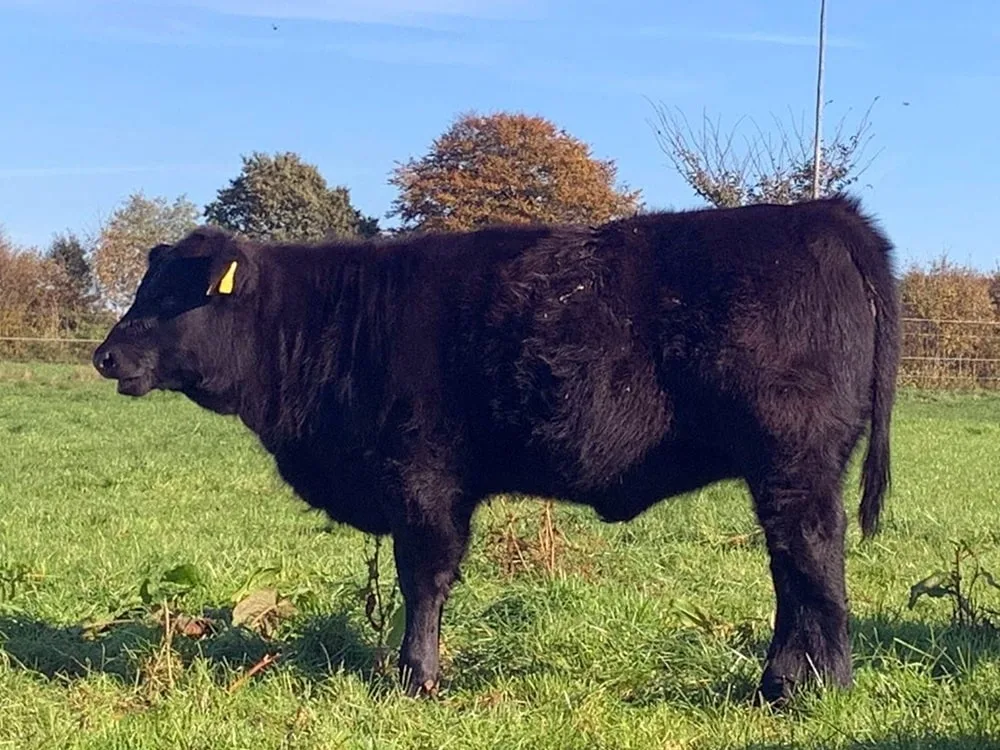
{"x":400,"y":383}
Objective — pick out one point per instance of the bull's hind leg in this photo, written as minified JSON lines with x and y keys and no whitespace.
{"x":800,"y":508}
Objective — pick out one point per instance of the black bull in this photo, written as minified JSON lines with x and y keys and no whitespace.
{"x":399,"y":383}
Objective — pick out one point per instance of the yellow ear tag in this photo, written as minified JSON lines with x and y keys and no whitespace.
{"x":226,"y":282}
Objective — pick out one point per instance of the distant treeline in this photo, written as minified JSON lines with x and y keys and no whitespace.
{"x":951,"y":315}
{"x":499,"y":168}
{"x":951,"y":332}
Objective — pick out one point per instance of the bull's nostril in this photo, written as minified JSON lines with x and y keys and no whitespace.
{"x":105,"y":362}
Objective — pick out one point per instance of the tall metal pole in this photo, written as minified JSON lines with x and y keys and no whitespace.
{"x":817,"y":139}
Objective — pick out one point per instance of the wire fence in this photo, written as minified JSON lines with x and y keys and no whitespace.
{"x":949,"y":353}
{"x":47,"y":349}
{"x":937,"y":353}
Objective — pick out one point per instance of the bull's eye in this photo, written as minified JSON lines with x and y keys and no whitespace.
{"x":173,"y":304}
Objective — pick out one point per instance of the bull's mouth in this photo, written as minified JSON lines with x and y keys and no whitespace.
{"x":137,"y":386}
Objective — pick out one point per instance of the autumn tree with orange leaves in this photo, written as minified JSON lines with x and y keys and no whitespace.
{"x":507,"y":168}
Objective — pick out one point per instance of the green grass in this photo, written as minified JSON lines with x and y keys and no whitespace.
{"x":97,"y":492}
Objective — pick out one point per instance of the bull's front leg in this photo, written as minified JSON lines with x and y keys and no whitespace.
{"x":428,"y":544}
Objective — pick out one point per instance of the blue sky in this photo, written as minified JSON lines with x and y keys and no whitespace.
{"x":103,"y":97}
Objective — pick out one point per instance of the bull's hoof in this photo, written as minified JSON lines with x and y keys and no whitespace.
{"x":428,"y":689}
{"x":778,"y":688}
{"x":419,"y":689}
{"x":774,"y":691}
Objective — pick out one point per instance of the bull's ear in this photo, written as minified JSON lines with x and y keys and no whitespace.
{"x":155,"y":252}
{"x":230,"y":270}
{"x":224,"y":279}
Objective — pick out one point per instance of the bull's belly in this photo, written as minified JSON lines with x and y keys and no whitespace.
{"x":617,"y":490}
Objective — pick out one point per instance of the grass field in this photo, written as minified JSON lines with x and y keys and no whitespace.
{"x":645,"y":635}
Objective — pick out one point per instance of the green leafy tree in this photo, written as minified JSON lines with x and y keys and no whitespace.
{"x":77,"y":298}
{"x":124,"y":241}
{"x":507,"y":168}
{"x":282,"y":198}
{"x":68,"y":251}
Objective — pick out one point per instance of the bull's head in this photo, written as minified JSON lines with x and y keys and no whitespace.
{"x":180,"y":332}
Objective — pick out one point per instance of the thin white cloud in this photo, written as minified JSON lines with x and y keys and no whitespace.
{"x":91,"y":171}
{"x":560,"y":76}
{"x":415,"y":13}
{"x":363,"y":11}
{"x":784,"y":40}
{"x":447,"y":52}
{"x":174,"y":35}
{"x":439,"y":51}
{"x":752,"y":37}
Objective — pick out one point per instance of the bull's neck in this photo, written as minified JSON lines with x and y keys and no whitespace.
{"x":322,"y":340}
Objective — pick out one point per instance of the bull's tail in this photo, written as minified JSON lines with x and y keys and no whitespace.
{"x":875,"y":473}
{"x":872,"y":254}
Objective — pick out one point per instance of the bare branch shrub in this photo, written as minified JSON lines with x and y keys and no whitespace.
{"x":737,"y":168}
